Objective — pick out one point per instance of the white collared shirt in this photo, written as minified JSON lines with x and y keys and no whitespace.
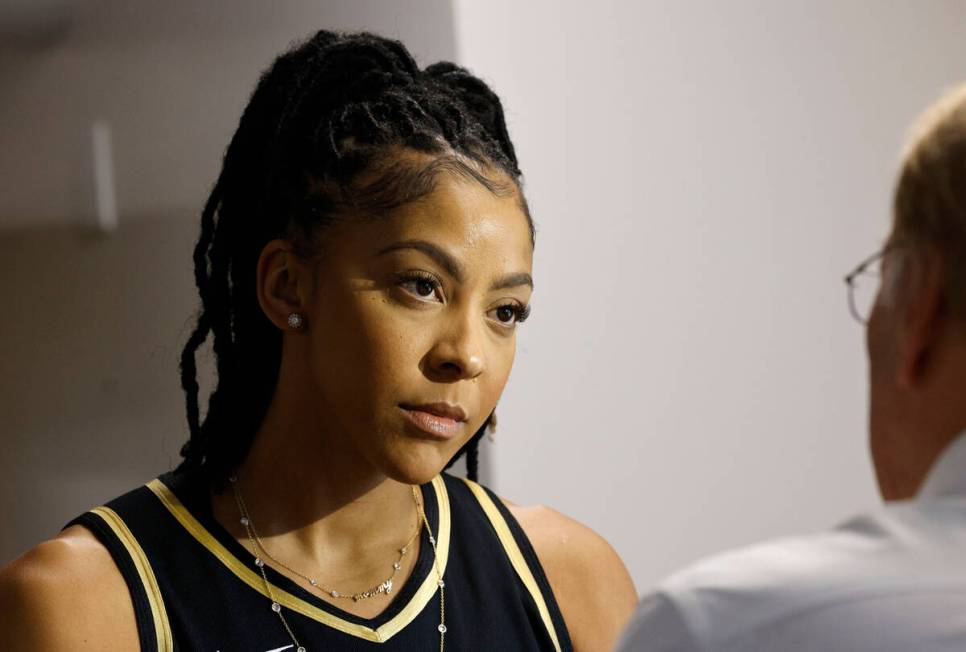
{"x":890,"y":581}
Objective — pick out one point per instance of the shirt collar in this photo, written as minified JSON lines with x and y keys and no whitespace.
{"x":948,"y":474}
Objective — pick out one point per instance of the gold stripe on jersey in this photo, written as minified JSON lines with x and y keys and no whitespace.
{"x":244,"y":572}
{"x":517,"y":559}
{"x":162,"y":629}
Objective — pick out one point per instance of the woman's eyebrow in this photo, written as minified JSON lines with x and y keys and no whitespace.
{"x":512,"y":281}
{"x":453,"y":266}
{"x":445,"y":260}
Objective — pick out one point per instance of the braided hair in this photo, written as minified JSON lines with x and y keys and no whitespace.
{"x":328,"y":110}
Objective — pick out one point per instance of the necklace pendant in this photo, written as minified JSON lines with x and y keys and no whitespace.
{"x":387,"y":585}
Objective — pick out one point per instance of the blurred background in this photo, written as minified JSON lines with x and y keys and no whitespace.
{"x":702,"y":176}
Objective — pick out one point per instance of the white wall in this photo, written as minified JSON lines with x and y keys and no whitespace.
{"x":702,"y":175}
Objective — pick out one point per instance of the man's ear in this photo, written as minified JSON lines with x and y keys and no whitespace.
{"x":281,"y":283}
{"x":923,"y":316}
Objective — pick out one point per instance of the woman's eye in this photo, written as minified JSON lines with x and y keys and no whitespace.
{"x":505,"y":314}
{"x":511,"y":314}
{"x":422,"y":287}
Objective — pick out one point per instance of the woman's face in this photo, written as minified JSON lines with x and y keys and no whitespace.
{"x":412,"y":325}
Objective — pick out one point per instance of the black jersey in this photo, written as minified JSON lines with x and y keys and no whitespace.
{"x":194,"y":587}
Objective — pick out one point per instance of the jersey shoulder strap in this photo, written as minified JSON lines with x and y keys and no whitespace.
{"x":522,"y":557}
{"x":107,"y":524}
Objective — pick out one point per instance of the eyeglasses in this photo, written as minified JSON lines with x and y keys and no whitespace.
{"x":863,"y":283}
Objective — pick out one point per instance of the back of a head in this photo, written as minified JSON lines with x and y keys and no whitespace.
{"x":930,"y":198}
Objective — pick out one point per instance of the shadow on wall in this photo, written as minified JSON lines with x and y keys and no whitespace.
{"x":90,"y":344}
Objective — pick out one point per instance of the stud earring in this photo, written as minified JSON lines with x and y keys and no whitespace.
{"x":295,"y":321}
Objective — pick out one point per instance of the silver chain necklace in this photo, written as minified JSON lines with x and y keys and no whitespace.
{"x":256,"y":545}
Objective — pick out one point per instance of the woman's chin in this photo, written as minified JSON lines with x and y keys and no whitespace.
{"x":417,"y":465}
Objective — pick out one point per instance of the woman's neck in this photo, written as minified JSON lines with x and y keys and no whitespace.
{"x":314,"y":499}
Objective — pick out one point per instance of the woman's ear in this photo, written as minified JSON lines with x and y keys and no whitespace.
{"x":923,"y":315}
{"x":282,"y":284}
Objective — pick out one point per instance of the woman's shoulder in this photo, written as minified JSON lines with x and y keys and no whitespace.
{"x":66,"y":593}
{"x":589,"y":580}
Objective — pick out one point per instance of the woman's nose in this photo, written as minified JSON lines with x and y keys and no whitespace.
{"x":457,"y":354}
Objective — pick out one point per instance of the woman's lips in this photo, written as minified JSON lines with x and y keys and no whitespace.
{"x":433,"y":424}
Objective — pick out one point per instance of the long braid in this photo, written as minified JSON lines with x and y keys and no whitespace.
{"x":189,"y":382}
{"x":189,"y":370}
{"x":325,"y":111}
{"x":473,"y":459}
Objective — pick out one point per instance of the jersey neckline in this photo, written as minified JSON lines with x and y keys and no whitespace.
{"x":186,"y":500}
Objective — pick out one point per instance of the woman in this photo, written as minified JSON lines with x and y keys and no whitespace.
{"x":364,"y":262}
